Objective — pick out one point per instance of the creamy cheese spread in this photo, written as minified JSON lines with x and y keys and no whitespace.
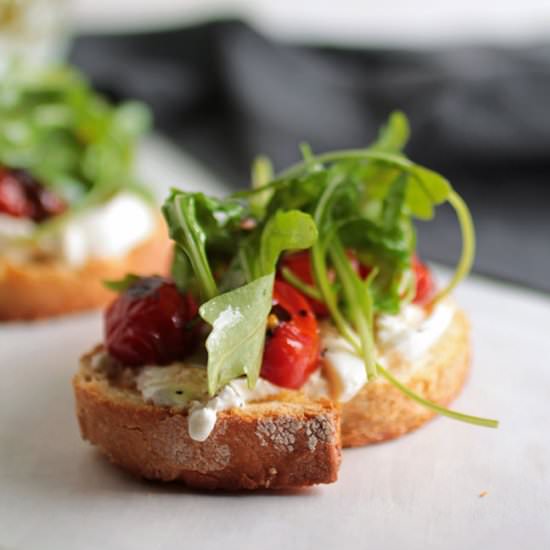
{"x":109,"y":230}
{"x":412,"y":332}
{"x":184,"y":385}
{"x":344,"y":367}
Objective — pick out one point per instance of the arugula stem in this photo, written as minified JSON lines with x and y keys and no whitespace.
{"x":468,"y":246}
{"x":318,"y":259}
{"x":334,"y":156}
{"x":329,"y":299}
{"x":479,"y":421}
{"x":304,"y":288}
{"x":350,"y":154}
{"x":357,"y":297}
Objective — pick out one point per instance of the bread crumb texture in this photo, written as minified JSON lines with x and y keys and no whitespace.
{"x":289,"y":443}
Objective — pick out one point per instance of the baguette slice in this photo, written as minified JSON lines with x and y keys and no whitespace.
{"x":286,"y":441}
{"x":35,"y":290}
{"x":380,"y":411}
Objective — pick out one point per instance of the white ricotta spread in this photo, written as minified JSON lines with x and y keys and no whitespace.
{"x":344,"y":367}
{"x":412,"y":332}
{"x":106,"y":231}
{"x":202,"y":416}
{"x":184,"y":385}
{"x":173,"y":386}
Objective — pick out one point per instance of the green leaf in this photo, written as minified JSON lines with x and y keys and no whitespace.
{"x":426,"y":190}
{"x":292,"y":230}
{"x":392,"y":211}
{"x":53,"y":124}
{"x":262,"y":174}
{"x":203,"y":227}
{"x":238,"y":319}
{"x":394,"y":135}
{"x":182,"y":272}
{"x":434,"y":184}
{"x":181,"y":216}
{"x":122,"y":285}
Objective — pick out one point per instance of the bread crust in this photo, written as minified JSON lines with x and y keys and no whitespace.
{"x":380,"y":411}
{"x":285,"y":442}
{"x":36,"y":290}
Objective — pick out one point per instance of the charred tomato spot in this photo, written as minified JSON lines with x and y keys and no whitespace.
{"x":291,"y":349}
{"x":22,"y":196}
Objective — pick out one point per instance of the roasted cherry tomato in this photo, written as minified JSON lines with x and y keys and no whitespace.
{"x":425,"y":286}
{"x":22,"y":196}
{"x":151,"y":323}
{"x":291,"y":350}
{"x":300,"y":264}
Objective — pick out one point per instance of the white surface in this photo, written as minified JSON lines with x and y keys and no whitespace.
{"x":420,"y":492}
{"x":393,"y":22}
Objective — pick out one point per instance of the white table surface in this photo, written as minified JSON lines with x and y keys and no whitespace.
{"x":420,"y":492}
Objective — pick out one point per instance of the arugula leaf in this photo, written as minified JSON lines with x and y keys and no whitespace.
{"x":392,"y":211}
{"x":190,"y":237}
{"x":394,"y":135}
{"x":53,"y":124}
{"x":426,"y":190}
{"x":200,"y":225}
{"x":122,"y":284}
{"x":235,"y":345}
{"x":292,"y":230}
{"x":238,"y":317}
{"x":182,"y":272}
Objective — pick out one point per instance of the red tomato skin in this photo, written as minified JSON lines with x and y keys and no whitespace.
{"x":425,"y":285}
{"x":291,"y":350}
{"x":148,"y":324}
{"x":300,"y":264}
{"x":22,"y":196}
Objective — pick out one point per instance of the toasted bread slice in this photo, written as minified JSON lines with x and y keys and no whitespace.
{"x":380,"y":411}
{"x":35,"y":290}
{"x":286,"y":441}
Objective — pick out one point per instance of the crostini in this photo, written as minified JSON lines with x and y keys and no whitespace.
{"x":290,"y":305}
{"x":71,"y":210}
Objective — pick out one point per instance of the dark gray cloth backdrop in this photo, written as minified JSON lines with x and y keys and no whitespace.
{"x":224,"y":93}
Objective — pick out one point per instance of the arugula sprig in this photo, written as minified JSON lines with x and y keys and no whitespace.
{"x":195,"y":221}
{"x":53,"y":124}
{"x":205,"y":229}
{"x":362,"y":200}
